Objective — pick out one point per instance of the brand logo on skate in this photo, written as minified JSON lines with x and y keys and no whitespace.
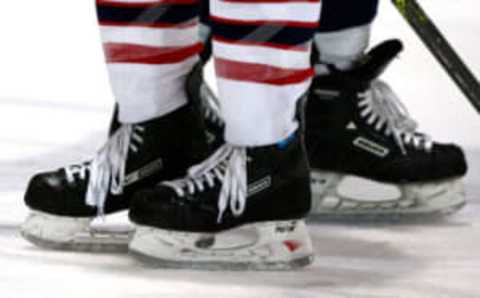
{"x":371,"y":147}
{"x":327,"y":94}
{"x":292,"y":245}
{"x":259,"y":185}
{"x":351,"y":126}
{"x":286,"y":227}
{"x":144,"y":172}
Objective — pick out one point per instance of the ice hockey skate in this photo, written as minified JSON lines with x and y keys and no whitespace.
{"x":337,"y":195}
{"x":211,"y":220}
{"x":369,"y":162}
{"x":65,"y":203}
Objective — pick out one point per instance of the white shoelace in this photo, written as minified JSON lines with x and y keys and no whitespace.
{"x":227,"y":165}
{"x":108,"y":167}
{"x":381,"y":107}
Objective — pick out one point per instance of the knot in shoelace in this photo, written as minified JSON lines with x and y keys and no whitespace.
{"x":108,"y":168}
{"x":382,"y":109}
{"x":228,"y":166}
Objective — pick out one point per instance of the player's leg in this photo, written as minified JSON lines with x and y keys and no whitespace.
{"x":344,"y":33}
{"x":150,"y":48}
{"x":244,"y":206}
{"x":368,"y":159}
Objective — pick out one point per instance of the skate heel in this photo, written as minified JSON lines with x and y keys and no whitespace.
{"x":73,"y":234}
{"x":279,"y":245}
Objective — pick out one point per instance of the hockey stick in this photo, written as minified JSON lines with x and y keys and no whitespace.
{"x":440,"y":48}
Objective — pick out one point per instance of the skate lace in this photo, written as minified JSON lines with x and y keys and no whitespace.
{"x":227,"y":165}
{"x":108,"y":168}
{"x":383,"y":110}
{"x":210,"y":105}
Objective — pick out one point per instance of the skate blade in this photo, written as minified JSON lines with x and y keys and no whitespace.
{"x":221,"y":266}
{"x":390,"y":217}
{"x":76,"y":235}
{"x":414,"y":202}
{"x":275,"y":247}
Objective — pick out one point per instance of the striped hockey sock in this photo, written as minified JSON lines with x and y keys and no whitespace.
{"x":150,"y":47}
{"x":262,"y":59}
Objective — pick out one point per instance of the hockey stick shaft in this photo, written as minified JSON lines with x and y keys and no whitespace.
{"x":441,"y":49}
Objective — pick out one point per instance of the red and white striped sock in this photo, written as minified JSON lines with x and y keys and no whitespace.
{"x":150,"y":47}
{"x":262,"y":59}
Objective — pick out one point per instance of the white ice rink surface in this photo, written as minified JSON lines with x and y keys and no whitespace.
{"x":54,"y":107}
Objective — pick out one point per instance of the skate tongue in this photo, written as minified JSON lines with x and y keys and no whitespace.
{"x":374,"y":63}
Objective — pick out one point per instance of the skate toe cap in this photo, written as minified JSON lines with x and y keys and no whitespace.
{"x":41,"y":191}
{"x":49,"y":192}
{"x":444,"y":161}
{"x":449,"y":161}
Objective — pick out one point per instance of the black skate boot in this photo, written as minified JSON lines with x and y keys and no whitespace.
{"x":64,"y":203}
{"x":211,"y":220}
{"x":368,"y":160}
{"x":205,"y":100}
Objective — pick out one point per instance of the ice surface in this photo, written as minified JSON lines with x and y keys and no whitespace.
{"x":54,"y":107}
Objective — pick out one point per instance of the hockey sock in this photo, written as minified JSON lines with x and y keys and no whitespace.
{"x":150,"y":47}
{"x":344,"y":32}
{"x":204,"y":20}
{"x":262,"y":60}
